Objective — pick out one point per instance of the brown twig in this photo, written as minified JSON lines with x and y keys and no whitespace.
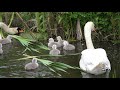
{"x":22,"y":20}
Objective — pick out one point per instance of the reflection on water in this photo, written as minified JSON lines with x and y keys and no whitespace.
{"x":87,"y":75}
{"x":13,"y":68}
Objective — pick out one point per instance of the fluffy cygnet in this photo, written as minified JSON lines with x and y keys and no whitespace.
{"x":52,"y":42}
{"x":68,"y":46}
{"x":54,"y":50}
{"x":32,"y":65}
{"x":60,"y":41}
{"x":6,"y":40}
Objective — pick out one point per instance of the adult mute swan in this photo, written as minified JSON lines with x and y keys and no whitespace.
{"x":15,"y":30}
{"x":0,"y":36}
{"x":32,"y":65}
{"x":94,"y":61}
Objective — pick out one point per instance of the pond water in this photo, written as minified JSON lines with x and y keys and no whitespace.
{"x":10,"y":67}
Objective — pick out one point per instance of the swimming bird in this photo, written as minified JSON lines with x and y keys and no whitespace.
{"x":32,"y":65}
{"x":93,"y":61}
{"x":60,"y":41}
{"x":14,"y":30}
{"x":54,"y":50}
{"x":0,"y":36}
{"x":6,"y":40}
{"x":68,"y":46}
{"x":52,"y":42}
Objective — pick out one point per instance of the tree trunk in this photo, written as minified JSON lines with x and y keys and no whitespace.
{"x":79,"y":31}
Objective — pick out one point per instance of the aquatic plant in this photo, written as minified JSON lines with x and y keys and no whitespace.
{"x":24,"y":41}
{"x":55,"y":67}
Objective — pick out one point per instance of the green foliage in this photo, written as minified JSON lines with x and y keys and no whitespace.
{"x":24,"y":41}
{"x":43,"y":47}
{"x":28,"y":43}
{"x":105,"y":22}
{"x":56,"y":66}
{"x":47,"y":23}
{"x":11,"y":19}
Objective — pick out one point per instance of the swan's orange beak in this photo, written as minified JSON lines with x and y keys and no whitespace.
{"x":21,"y":30}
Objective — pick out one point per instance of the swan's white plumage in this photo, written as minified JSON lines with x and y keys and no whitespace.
{"x":94,"y":61}
{"x":10,"y":30}
{"x":0,"y":36}
{"x":91,"y":58}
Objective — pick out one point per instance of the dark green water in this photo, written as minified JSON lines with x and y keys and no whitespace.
{"x":10,"y":67}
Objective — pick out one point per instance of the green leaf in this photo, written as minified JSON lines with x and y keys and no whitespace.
{"x":23,"y":41}
{"x":43,"y":47}
{"x":56,"y":65}
{"x":59,"y":69}
{"x":45,"y":62}
{"x":35,"y":50}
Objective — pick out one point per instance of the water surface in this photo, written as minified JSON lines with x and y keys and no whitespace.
{"x":10,"y":67}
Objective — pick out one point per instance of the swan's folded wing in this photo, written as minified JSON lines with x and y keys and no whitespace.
{"x":92,"y":57}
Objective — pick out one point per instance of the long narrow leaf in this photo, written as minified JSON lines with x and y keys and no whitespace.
{"x":23,"y":41}
{"x":43,"y":47}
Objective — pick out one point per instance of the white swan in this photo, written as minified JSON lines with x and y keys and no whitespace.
{"x":14,"y":30}
{"x":52,"y":42}
{"x":54,"y":50}
{"x":32,"y":65}
{"x":6,"y":40}
{"x":1,"y":51}
{"x":68,"y":46}
{"x":0,"y":36}
{"x":94,"y":61}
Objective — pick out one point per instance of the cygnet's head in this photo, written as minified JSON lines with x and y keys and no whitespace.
{"x":65,"y":43}
{"x":54,"y":46}
{"x":9,"y":37}
{"x":91,"y":25}
{"x":34,"y":60}
{"x":0,"y":45}
{"x":51,"y":40}
{"x":59,"y":38}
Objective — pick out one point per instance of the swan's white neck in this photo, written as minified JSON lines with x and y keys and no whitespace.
{"x":4,"y":26}
{"x":87,"y":34}
{"x":7,"y":29}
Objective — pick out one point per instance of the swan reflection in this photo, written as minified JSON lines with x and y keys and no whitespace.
{"x":88,"y":75}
